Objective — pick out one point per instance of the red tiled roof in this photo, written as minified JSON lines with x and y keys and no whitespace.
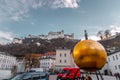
{"x":46,"y":54}
{"x":37,"y":55}
{"x":50,"y":53}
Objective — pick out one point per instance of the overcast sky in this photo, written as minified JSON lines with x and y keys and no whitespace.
{"x":19,"y":18}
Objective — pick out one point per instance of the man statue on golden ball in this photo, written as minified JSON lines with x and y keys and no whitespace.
{"x":89,"y":55}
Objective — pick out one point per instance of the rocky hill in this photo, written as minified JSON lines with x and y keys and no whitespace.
{"x":35,"y":45}
{"x":111,"y":44}
{"x":40,"y":46}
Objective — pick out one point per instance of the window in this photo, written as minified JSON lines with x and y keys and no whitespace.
{"x":65,"y":54}
{"x":119,"y":66}
{"x":65,"y":61}
{"x":60,"y":54}
{"x":60,"y":61}
{"x":115,"y":67}
{"x":18,"y":77}
{"x":113,"y":58}
{"x":116,"y":57}
{"x":36,"y":77}
{"x":109,"y":59}
{"x":43,"y":77}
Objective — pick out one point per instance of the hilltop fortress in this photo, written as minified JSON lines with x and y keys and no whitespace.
{"x":51,"y":35}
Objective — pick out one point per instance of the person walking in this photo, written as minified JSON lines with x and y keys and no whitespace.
{"x":88,"y":78}
{"x":82,"y":77}
{"x":118,"y":76}
{"x":14,"y":70}
{"x":115,"y":75}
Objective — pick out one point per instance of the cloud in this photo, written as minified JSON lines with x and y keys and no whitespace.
{"x":114,"y":29}
{"x":93,"y":37}
{"x":5,"y":37}
{"x":118,"y":16}
{"x":65,"y":4}
{"x":18,"y":9}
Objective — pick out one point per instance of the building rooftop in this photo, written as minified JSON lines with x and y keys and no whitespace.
{"x":50,"y":53}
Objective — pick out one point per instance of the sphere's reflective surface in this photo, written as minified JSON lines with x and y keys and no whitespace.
{"x":89,"y":55}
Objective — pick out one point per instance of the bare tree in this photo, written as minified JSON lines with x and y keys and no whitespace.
{"x":100,"y":34}
{"x":107,"y":33}
{"x":31,"y":61}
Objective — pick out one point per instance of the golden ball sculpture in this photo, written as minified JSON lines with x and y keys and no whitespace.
{"x":89,"y":55}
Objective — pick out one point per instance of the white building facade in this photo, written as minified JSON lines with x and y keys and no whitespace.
{"x":6,"y":61}
{"x":47,"y":63}
{"x":18,"y":40}
{"x":114,"y":62}
{"x":63,"y":59}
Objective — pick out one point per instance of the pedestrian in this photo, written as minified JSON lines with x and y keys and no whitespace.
{"x":14,"y":70}
{"x":88,"y":78}
{"x":82,"y":77}
{"x":118,"y":76}
{"x":115,"y":75}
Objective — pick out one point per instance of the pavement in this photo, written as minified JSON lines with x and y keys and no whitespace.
{"x":105,"y":77}
{"x":94,"y":77}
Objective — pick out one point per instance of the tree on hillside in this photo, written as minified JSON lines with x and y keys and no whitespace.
{"x":107,"y":33}
{"x":100,"y":34}
{"x":29,"y":46}
{"x":31,"y":61}
{"x":60,"y":42}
